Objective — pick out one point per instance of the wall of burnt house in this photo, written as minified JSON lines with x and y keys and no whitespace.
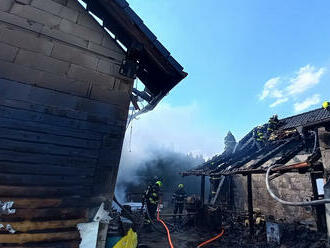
{"x":293,"y":187}
{"x":63,"y":112}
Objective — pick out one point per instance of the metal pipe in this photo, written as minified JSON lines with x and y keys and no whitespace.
{"x":310,"y":203}
{"x":315,"y":141}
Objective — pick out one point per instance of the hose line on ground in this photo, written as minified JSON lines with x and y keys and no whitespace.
{"x":152,"y":222}
{"x":212,"y":239}
{"x":307,"y":203}
{"x":167,"y":230}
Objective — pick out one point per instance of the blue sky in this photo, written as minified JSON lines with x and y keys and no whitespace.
{"x":246,"y":61}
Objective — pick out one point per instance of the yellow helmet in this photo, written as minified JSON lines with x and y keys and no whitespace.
{"x":159,"y":183}
{"x":180,"y":186}
{"x":326,"y":105}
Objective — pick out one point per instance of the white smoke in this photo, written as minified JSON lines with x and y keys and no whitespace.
{"x":166,"y":129}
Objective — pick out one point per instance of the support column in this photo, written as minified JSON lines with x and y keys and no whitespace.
{"x":203,"y":190}
{"x":324,"y":141}
{"x":318,"y":209}
{"x":250,"y":204}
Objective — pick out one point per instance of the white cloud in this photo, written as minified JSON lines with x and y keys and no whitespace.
{"x":269,"y":85}
{"x":276,"y":93}
{"x":278,"y":102}
{"x":282,"y":89}
{"x":308,"y":102}
{"x":307,"y":77}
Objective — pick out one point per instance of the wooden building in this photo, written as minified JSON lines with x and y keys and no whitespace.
{"x":66,"y":80}
{"x":299,"y":147}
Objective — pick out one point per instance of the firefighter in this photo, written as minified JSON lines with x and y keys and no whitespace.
{"x":178,"y":199}
{"x":273,"y":124}
{"x":259,"y":137}
{"x":151,"y":197}
{"x":326,"y":105}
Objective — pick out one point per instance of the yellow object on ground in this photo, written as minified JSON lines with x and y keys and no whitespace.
{"x":129,"y":241}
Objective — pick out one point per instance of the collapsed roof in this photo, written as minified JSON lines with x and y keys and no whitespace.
{"x":291,"y":139}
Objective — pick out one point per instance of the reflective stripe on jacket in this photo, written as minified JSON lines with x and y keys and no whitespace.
{"x":152,"y":194}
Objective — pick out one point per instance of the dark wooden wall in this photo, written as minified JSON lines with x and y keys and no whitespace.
{"x":63,"y":112}
{"x":52,"y":162}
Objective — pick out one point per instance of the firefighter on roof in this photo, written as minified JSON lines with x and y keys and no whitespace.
{"x":273,"y":125}
{"x":326,"y":105}
{"x":259,"y":136}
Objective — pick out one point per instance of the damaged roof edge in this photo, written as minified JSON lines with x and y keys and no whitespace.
{"x":310,"y":119}
{"x":159,"y":47}
{"x":151,"y":36}
{"x":159,"y":71}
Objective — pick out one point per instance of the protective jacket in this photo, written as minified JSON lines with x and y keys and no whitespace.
{"x":179,"y":196}
{"x":152,"y":194}
{"x":273,"y":125}
{"x":259,"y":134}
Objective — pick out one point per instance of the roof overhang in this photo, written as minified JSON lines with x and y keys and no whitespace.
{"x":158,"y":70}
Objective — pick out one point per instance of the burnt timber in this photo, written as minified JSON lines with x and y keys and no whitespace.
{"x":299,"y":149}
{"x":285,"y":148}
{"x":63,"y":110}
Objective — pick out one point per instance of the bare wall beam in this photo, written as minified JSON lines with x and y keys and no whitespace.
{"x":250,"y":204}
{"x":324,"y":141}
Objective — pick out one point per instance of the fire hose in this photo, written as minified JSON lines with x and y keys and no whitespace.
{"x":212,"y":239}
{"x":167,"y":230}
{"x":306,"y":203}
{"x":153,"y":224}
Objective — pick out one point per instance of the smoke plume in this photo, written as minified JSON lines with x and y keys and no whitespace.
{"x":166,"y":166}
{"x":163,"y":143}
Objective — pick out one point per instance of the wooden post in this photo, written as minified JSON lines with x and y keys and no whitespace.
{"x":319,"y":209}
{"x":203,"y":190}
{"x":250,"y":204}
{"x":324,"y":141}
{"x":102,"y":235}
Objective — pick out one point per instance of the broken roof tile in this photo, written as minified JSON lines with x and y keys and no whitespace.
{"x":245,"y":152}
